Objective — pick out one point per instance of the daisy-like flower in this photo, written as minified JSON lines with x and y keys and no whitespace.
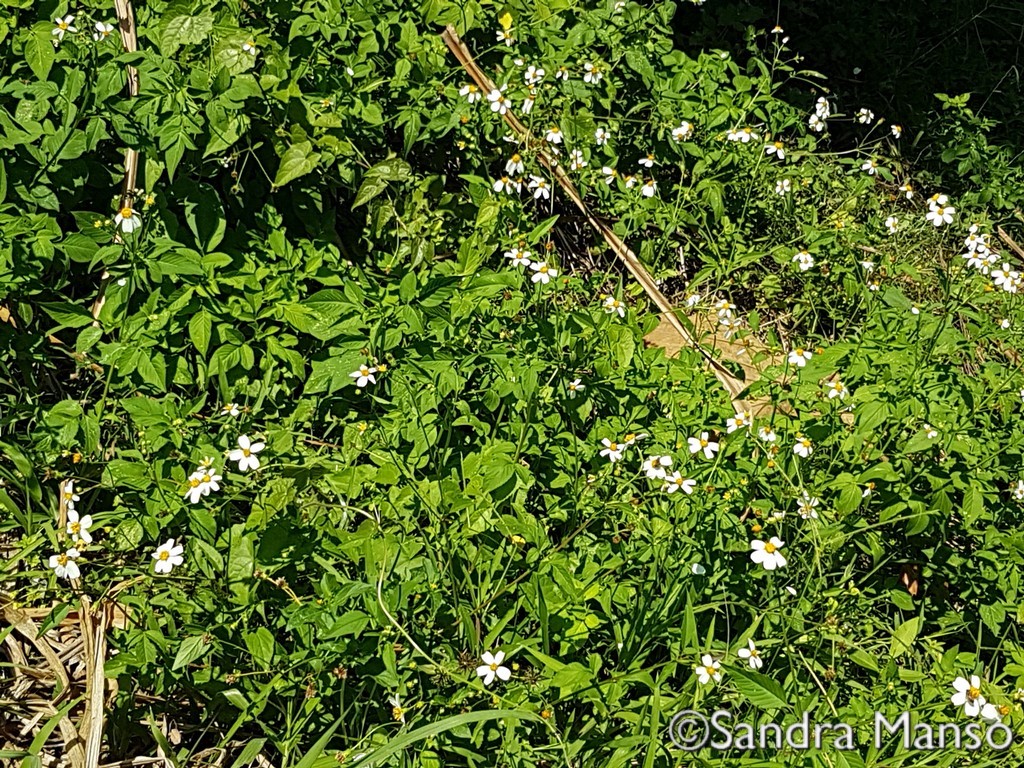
{"x":990,"y":713}
{"x":799,"y":357}
{"x":575,"y":387}
{"x":725,"y":308}
{"x":542,"y":273}
{"x":562,"y":74}
{"x":364,"y":375}
{"x":967,"y":694}
{"x":803,"y":446}
{"x":650,"y":188}
{"x":1018,"y":492}
{"x":576,"y":160}
{"x":1006,"y":278}
{"x":62,"y":27}
{"x":631,"y":438}
{"x":776,"y":148}
{"x":471,"y":92}
{"x":612,"y":450}
{"x":529,"y":101}
{"x":592,"y":73}
{"x":816,"y":124}
{"x":540,"y":187}
{"x":249,"y":46}
{"x":128,"y":220}
{"x":64,"y":565}
{"x":683,"y":131}
{"x":767,"y":434}
{"x":647,"y":161}
{"x":743,"y":135}
{"x":609,"y":174}
{"x":230,"y":409}
{"x":601,"y":136}
{"x":870,"y":166}
{"x":168,"y":556}
{"x":865,"y":116}
{"x":837,"y":389}
{"x":103,"y":31}
{"x":908,"y":190}
{"x":491,"y":667}
{"x":554,"y":135}
{"x":822,"y":108}
{"x":78,"y":527}
{"x":891,"y":223}
{"x":505,"y":36}
{"x":397,"y":711}
{"x":804,"y":260}
{"x":751,"y":654}
{"x":518,"y":258}
{"x":613,"y":305}
{"x":698,"y":570}
{"x":807,"y":506}
{"x":201,"y":483}
{"x":940,"y":214}
{"x":533,"y":75}
{"x":897,"y":130}
{"x":975,"y":242}
{"x":767,"y":554}
{"x":867,"y":266}
{"x":69,"y":495}
{"x":741,"y":420}
{"x":245,"y":454}
{"x":515,"y":164}
{"x":504,"y":184}
{"x":782,"y":187}
{"x":929,"y":431}
{"x":499,"y":101}
{"x":703,"y":443}
{"x":654,"y":467}
{"x":676,"y":482}
{"x":709,"y":669}
{"x":629,"y":180}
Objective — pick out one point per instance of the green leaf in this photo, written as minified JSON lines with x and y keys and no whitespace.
{"x":760,"y":690}
{"x":904,"y":636}
{"x":261,"y":645}
{"x":298,"y":160}
{"x":66,"y":314}
{"x":185,"y":29}
{"x":39,"y":51}
{"x":204,"y":214}
{"x":191,"y":649}
{"x":200,"y":326}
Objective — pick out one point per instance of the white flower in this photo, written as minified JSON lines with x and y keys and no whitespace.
{"x":782,"y":186}
{"x":870,"y":166}
{"x":364,"y":376}
{"x":600,"y":135}
{"x":533,"y":75}
{"x":816,"y":124}
{"x":529,"y":101}
{"x":725,"y":308}
{"x":968,"y":695}
{"x":683,"y":131}
{"x":693,"y":300}
{"x":201,"y":483}
{"x":576,"y":160}
{"x":574,"y":387}
{"x":103,"y":31}
{"x":940,"y":214}
{"x":554,"y":135}
{"x":629,"y":180}
{"x":629,"y":439}
{"x":1006,"y":278}
{"x":697,"y":569}
{"x":69,"y":495}
{"x":897,"y":130}
{"x":397,"y":711}
{"x":822,"y":108}
{"x":78,"y":527}
{"x":703,"y":443}
{"x":767,"y":554}
{"x":743,"y":135}
{"x":168,"y":556}
{"x":654,"y":467}
{"x":837,"y":389}
{"x":806,"y":506}
{"x":61,"y":27}
{"x":250,"y":47}
{"x":492,"y":668}
{"x":767,"y":434}
{"x":613,"y":305}
{"x":611,"y":449}
{"x":891,"y":223}
{"x":676,"y":482}
{"x":1004,"y":323}
{"x":471,"y":92}
{"x":542,"y":273}
{"x":1018,"y":492}
{"x":518,"y":258}
{"x":230,"y":409}
{"x":929,"y":431}
{"x":799,"y":357}
{"x":976,"y":242}
{"x":776,"y":148}
{"x":504,"y":184}
{"x":514,"y":164}
{"x":505,"y":36}
{"x":540,"y":187}
{"x":647,"y":161}
{"x":709,"y":669}
{"x":865,"y":115}
{"x":907,"y":190}
{"x":245,"y":454}
{"x":609,"y":174}
{"x":65,"y":566}
{"x":804,"y":259}
{"x":803,"y":446}
{"x":993,"y":714}
{"x":868,"y":266}
{"x":751,"y":655}
{"x":127,"y":219}
{"x":649,"y":188}
{"x":739,"y":421}
{"x":592,"y":74}
{"x":562,"y":74}
{"x":499,"y":102}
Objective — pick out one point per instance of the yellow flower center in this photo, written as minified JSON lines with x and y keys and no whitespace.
{"x":493,"y":667}
{"x":711,"y":671}
{"x":251,"y":43}
{"x":770,"y":548}
{"x":75,"y":527}
{"x":62,"y":24}
{"x":165,"y":555}
{"x":206,"y":478}
{"x":62,"y":559}
{"x":194,"y":482}
{"x":544,"y":269}
{"x":973,"y":693}
{"x":799,"y":351}
{"x":397,"y":713}
{"x":127,"y":212}
{"x":805,"y":443}
{"x":613,"y":446}
{"x":1004,"y":710}
{"x":703,"y":443}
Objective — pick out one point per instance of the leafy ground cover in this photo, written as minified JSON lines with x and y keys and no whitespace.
{"x":331,"y":430}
